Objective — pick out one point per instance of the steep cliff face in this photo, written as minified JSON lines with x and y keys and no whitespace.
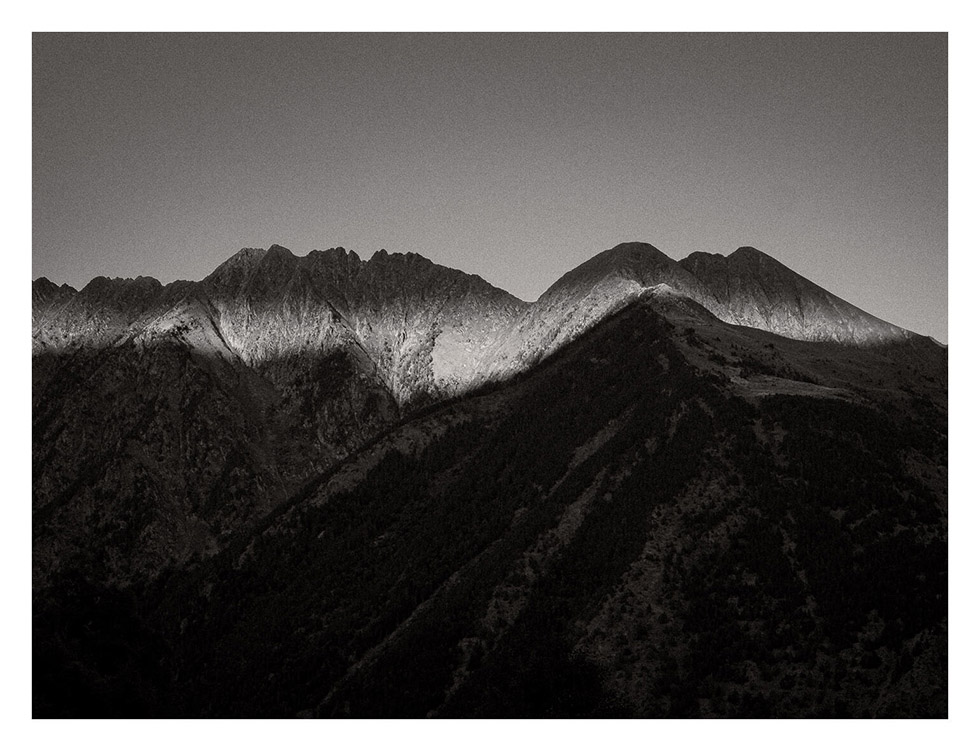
{"x":417,"y":327}
{"x":750,"y":288}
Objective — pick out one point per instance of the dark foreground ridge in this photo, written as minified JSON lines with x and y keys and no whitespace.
{"x":326,"y":487}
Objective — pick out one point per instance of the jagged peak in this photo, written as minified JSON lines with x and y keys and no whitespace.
{"x":381,"y":256}
{"x":103,"y":282}
{"x":42,"y":282}
{"x":340,"y":254}
{"x":243,"y":258}
{"x":43,"y":289}
{"x":246,"y":260}
{"x":247,"y":253}
{"x":278,"y":257}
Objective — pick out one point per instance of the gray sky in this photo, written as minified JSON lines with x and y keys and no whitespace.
{"x":512,"y":157}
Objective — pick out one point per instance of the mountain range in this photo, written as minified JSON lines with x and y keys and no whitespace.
{"x":323,"y":486}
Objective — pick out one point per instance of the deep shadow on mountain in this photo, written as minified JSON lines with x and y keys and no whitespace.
{"x":668,"y":517}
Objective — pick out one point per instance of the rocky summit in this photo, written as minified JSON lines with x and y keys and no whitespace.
{"x":328,"y":486}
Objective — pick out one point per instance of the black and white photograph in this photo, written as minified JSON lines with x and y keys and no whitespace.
{"x":489,"y":375}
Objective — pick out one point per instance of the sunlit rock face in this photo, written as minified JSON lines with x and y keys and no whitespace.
{"x":100,"y":313}
{"x":424,"y":325}
{"x":585,"y":295}
{"x":746,"y":288}
{"x":749,"y":288}
{"x":417,"y":327}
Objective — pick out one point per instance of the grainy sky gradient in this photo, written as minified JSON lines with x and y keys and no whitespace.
{"x":514,"y":157}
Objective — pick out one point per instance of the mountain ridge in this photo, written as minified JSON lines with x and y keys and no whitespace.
{"x":632,"y":261}
{"x":396,"y":332}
